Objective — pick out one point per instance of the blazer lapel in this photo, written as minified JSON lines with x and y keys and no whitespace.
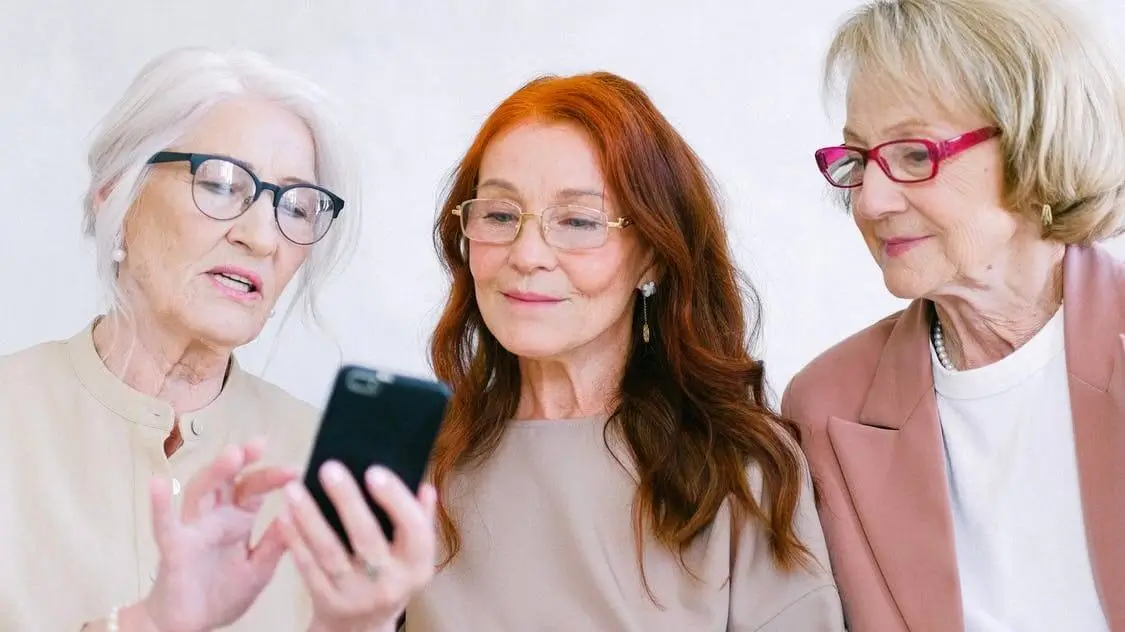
{"x":1094,"y":299}
{"x":893,"y":464}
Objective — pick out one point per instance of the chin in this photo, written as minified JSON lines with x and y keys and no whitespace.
{"x":225,"y":327}
{"x":905,"y":285}
{"x":531,"y":345}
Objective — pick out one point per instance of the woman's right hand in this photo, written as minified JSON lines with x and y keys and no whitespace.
{"x":367,"y":591}
{"x":209,"y":574}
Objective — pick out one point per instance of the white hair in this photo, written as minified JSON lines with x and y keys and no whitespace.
{"x":166,"y":99}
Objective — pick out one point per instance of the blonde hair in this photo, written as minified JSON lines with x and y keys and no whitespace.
{"x":168,"y":97}
{"x":1030,"y":66}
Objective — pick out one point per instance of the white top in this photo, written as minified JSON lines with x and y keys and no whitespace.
{"x":1013,"y":477}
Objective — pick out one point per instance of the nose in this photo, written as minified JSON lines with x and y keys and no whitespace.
{"x":878,"y":195}
{"x":529,"y":252}
{"x":256,"y":230}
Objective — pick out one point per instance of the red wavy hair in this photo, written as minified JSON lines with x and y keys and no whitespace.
{"x":691,"y":406}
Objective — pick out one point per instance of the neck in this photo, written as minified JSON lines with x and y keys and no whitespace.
{"x":583,"y":384}
{"x":172,"y":367}
{"x":987,"y":318}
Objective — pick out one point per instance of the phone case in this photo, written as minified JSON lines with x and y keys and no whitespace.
{"x":376,"y":417}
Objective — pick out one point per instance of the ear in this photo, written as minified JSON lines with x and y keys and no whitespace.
{"x":102,"y":194}
{"x":653,"y":271}
{"x":99,"y":197}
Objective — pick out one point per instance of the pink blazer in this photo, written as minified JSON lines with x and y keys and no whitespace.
{"x":869,"y":418}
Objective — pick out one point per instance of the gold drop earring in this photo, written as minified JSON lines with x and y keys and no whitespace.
{"x":647,"y":290}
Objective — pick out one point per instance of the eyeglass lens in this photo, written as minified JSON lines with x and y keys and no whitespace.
{"x":224,"y":190}
{"x":906,"y":161}
{"x":567,"y":227}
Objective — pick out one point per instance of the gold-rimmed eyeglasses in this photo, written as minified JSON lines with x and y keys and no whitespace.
{"x":563,"y":226}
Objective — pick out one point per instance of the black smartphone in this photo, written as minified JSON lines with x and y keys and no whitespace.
{"x":376,"y":417}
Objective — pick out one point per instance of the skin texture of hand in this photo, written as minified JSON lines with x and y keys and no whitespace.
{"x":345,"y":597}
{"x":209,"y":572}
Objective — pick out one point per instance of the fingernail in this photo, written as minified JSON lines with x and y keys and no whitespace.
{"x":293,"y":491}
{"x":376,"y":476}
{"x":333,"y":472}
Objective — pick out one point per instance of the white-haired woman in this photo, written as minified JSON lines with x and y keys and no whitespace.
{"x":216,"y":179}
{"x":969,"y":450}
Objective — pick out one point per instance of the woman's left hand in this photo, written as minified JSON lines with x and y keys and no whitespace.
{"x":369,"y":590}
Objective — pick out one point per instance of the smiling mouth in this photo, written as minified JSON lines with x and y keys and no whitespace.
{"x":900,"y":246}
{"x":235,"y":282}
{"x":532,"y":299}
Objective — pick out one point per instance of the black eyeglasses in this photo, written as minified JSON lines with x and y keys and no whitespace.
{"x":223,"y":189}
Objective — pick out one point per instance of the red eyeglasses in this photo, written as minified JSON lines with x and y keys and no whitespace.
{"x":907,"y":160}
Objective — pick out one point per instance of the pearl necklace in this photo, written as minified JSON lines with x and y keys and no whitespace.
{"x":939,"y":346}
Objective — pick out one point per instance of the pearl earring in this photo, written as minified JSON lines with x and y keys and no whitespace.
{"x":118,"y":255}
{"x":647,"y":290}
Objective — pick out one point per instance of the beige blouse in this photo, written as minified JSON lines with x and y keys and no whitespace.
{"x":77,"y":449}
{"x":547,"y":544}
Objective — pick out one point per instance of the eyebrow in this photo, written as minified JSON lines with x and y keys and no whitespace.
{"x":498,"y":183}
{"x":569,"y":192}
{"x":581,"y":193}
{"x":249,"y":167}
{"x":897,"y":128}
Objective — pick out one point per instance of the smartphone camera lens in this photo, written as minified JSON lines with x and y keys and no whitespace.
{"x":363,"y":382}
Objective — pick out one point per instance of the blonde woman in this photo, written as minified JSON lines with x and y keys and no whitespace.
{"x":968,"y":450}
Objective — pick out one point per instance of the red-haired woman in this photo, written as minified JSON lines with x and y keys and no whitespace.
{"x":608,"y":461}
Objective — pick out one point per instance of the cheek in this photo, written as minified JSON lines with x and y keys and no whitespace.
{"x":600,"y":292}
{"x":599,"y":297}
{"x":948,"y":203}
{"x":593,"y":279}
{"x":163,"y":242}
{"x":981,"y":236}
{"x":485,"y":261}
{"x":288,"y":261}
{"x":966,"y":210}
{"x":866,"y":227}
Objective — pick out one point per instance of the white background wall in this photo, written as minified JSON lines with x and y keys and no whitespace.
{"x":738,"y":78}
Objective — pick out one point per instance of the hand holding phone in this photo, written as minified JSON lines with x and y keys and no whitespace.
{"x":373,"y":418}
{"x":376,"y":417}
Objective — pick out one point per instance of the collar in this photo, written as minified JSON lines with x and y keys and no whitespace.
{"x":146,"y":410}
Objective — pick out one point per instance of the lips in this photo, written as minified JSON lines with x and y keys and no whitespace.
{"x":237,"y":282}
{"x":900,"y":245}
{"x":531,"y":298}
